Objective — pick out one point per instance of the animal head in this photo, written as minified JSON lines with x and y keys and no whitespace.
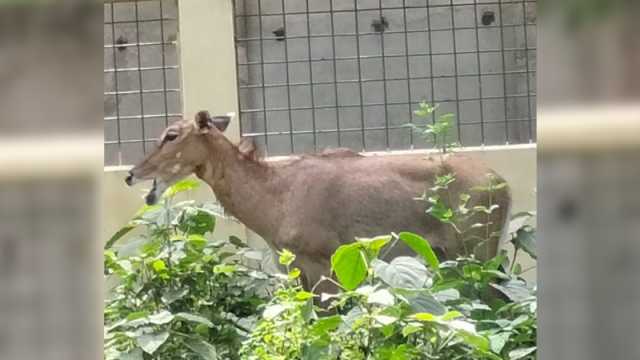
{"x":181,"y":149}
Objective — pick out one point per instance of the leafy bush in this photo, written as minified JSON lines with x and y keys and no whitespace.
{"x":174,"y":293}
{"x":409,"y":308}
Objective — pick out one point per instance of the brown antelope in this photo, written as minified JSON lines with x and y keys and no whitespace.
{"x":312,"y":204}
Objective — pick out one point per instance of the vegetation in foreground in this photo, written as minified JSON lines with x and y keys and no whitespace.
{"x":174,"y":293}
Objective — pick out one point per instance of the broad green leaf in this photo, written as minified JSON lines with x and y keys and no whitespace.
{"x":515,"y":290}
{"x":286,"y":257}
{"x":226,"y":269}
{"x":134,"y":354}
{"x":381,"y":297}
{"x":159,"y":265}
{"x":450,"y":315}
{"x":349,"y":265}
{"x":118,"y":235}
{"x":202,"y":348}
{"x":447,"y":295}
{"x":194,"y":220}
{"x":420,"y":300}
{"x":385,"y":319}
{"x":161,"y":318}
{"x":272,"y":311}
{"x":374,"y":244}
{"x":402,"y":272}
{"x":303,"y":295}
{"x":411,"y":328}
{"x":237,"y":242}
{"x":422,"y":247}
{"x":181,"y":186}
{"x":428,"y":317}
{"x":525,"y":239}
{"x":151,"y":342}
{"x":325,"y":325}
{"x":194,"y":318}
{"x":294,"y":273}
{"x":498,"y":341}
{"x":521,"y":353}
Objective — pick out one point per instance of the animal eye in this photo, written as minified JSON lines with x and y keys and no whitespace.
{"x":170,"y":137}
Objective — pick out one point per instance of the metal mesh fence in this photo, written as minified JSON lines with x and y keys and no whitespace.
{"x":141,"y":78}
{"x":324,"y":73}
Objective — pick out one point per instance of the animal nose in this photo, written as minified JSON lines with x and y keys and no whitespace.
{"x":129,"y":179}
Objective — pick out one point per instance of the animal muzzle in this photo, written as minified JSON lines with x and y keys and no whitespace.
{"x":152,"y":196}
{"x":129,"y":179}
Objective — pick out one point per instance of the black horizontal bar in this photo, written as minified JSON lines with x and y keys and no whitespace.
{"x":152,"y":91}
{"x":355,"y":81}
{"x":138,"y":117}
{"x":313,"y":12}
{"x":139,"y":21}
{"x":387,"y":32}
{"x":144,"y":68}
{"x":149,"y":43}
{"x":489,"y":51}
{"x":248,"y":111}
{"x":329,"y":131}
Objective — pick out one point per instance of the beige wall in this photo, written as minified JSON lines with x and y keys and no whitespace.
{"x":517,"y":164}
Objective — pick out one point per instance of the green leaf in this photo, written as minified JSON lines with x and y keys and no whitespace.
{"x":411,"y":328}
{"x":325,"y":325}
{"x":515,"y":290}
{"x":202,"y":348}
{"x":426,"y":317}
{"x":521,"y":353}
{"x":181,"y":186}
{"x":194,"y":318}
{"x":272,"y":311}
{"x":421,"y":300}
{"x":303,"y":295}
{"x":151,"y":342}
{"x":385,"y":319}
{"x":349,"y":265}
{"x":402,"y":272}
{"x":286,"y":257}
{"x":294,"y":274}
{"x":373,"y":245}
{"x":195,"y":220}
{"x":498,"y":341}
{"x":226,"y":269}
{"x":450,"y":315}
{"x":422,"y":247}
{"x":134,"y":354}
{"x":161,"y":318}
{"x":159,"y":266}
{"x":525,"y":239}
{"x":118,"y":235}
{"x":381,"y":297}
{"x":237,"y":242}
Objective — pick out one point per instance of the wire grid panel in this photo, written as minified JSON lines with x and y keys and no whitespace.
{"x":141,"y":76}
{"x":322,"y":73}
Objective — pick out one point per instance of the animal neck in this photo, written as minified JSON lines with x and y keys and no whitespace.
{"x":245,"y":188}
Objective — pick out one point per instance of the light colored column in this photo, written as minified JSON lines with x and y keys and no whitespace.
{"x":207,"y":59}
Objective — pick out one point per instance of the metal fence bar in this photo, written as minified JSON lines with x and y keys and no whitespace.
{"x":264,"y":97}
{"x":313,"y":112}
{"x":479,"y":67}
{"x":286,"y":58}
{"x":335,"y":33}
{"x":144,"y":148}
{"x":410,"y":7}
{"x":359,"y":62}
{"x":145,"y":18}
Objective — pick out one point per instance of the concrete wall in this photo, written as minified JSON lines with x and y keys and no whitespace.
{"x":516,"y":163}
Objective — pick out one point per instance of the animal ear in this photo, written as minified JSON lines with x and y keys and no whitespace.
{"x":222,"y":121}
{"x":203,"y":120}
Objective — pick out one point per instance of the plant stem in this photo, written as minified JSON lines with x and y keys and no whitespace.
{"x":513,"y":262}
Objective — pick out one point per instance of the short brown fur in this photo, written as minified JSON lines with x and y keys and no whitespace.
{"x":312,"y":204}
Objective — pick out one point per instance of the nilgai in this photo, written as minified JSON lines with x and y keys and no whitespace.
{"x":311,"y":204}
